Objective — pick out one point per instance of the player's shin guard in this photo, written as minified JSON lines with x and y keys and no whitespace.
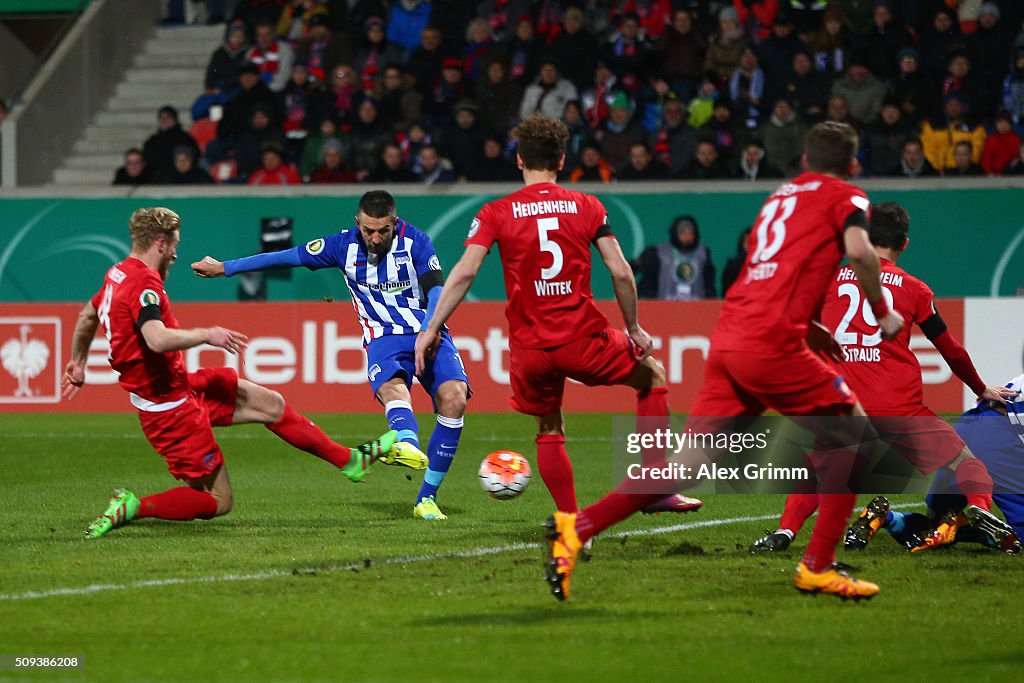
{"x":180,"y":504}
{"x":974,"y":481}
{"x":799,"y":507}
{"x":440,"y":453}
{"x":299,"y":431}
{"x":402,"y":420}
{"x":833,"y":512}
{"x":556,"y":470}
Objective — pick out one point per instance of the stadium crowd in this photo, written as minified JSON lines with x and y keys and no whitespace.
{"x":426,"y":92}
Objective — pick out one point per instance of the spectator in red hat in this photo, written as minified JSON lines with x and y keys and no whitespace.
{"x":452,"y":87}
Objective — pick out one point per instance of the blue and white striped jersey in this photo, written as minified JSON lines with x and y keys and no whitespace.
{"x":386,"y":291}
{"x":1015,"y":406}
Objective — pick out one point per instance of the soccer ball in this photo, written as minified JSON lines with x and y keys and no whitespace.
{"x":504,"y":474}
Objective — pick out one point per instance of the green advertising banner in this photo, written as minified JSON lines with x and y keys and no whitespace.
{"x":963,"y":242}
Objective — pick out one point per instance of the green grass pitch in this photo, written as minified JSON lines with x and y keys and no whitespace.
{"x":314,"y":578}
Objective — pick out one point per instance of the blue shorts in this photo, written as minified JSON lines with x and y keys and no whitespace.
{"x":394,"y":355}
{"x":994,"y":441}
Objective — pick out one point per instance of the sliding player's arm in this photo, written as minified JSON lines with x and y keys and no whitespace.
{"x":162,"y":339}
{"x":624,"y":285}
{"x":958,"y":360}
{"x":85,"y":329}
{"x":864,"y":262}
{"x":454,"y":291}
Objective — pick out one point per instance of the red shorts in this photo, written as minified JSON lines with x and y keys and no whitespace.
{"x":927,"y":441}
{"x":538,"y":375}
{"x":183,"y":435}
{"x":749,"y":383}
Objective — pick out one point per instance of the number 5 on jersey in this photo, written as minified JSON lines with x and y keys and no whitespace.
{"x":544,"y":226}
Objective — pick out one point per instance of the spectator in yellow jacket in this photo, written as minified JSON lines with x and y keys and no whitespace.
{"x":940,"y":136}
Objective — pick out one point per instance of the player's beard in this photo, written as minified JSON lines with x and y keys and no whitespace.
{"x":165,"y":266}
{"x":381,"y":249}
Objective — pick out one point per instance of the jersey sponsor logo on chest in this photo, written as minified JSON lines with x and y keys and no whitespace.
{"x":388,"y":287}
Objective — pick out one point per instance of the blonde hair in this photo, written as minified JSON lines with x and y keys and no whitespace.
{"x":146,"y":226}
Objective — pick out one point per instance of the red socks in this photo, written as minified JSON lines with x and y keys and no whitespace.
{"x":300,"y":432}
{"x":611,"y":510}
{"x":973,"y":480}
{"x":181,"y":503}
{"x":556,"y":470}
{"x":799,"y":506}
{"x":651,"y":416}
{"x":833,"y":512}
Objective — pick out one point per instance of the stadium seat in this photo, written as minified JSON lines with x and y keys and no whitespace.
{"x":202,"y":131}
{"x":224,"y":171}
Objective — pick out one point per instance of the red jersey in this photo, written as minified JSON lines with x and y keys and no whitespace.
{"x":795,"y":248}
{"x":544,"y":233}
{"x":885,"y":375}
{"x":133,"y":293}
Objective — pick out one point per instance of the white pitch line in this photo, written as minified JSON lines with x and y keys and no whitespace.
{"x":401,"y":559}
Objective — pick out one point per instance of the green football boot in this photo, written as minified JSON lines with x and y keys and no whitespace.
{"x":368,"y":453}
{"x":121,"y":509}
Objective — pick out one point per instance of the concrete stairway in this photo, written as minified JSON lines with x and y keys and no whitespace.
{"x":169,"y":70}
